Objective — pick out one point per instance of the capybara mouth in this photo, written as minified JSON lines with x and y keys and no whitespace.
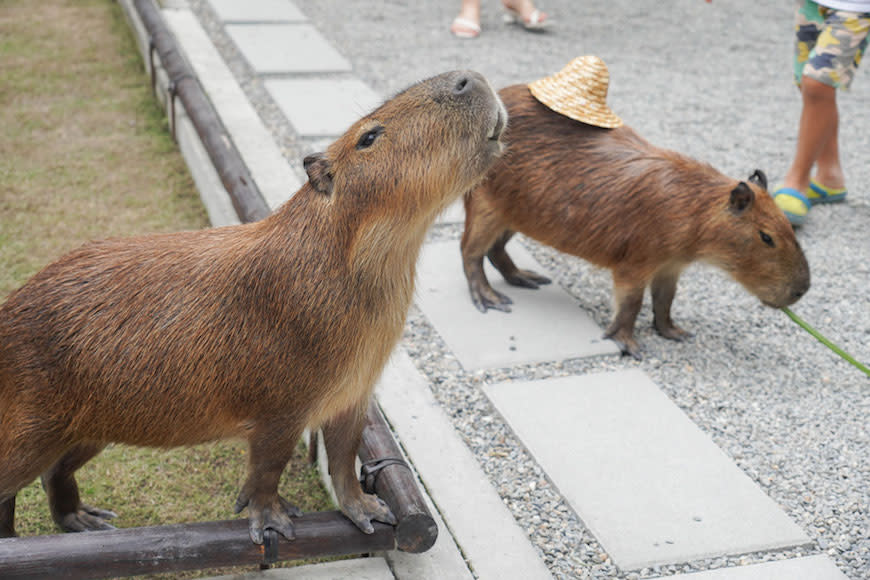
{"x":499,"y":126}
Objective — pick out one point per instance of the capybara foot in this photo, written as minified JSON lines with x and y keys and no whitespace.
{"x":626,"y":343}
{"x":485,"y":297}
{"x":269,"y":514}
{"x":366,"y":509}
{"x":86,"y":519}
{"x":527,"y":279}
{"x":672,"y":331}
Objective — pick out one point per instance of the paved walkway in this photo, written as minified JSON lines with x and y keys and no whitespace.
{"x":652,"y":488}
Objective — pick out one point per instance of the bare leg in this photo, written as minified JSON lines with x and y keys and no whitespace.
{"x":503,"y":263}
{"x":628,"y":301}
{"x":829,"y":172}
{"x":817,"y":137}
{"x":664,"y":288}
{"x":341,"y":436}
{"x":271,"y":447}
{"x":67,"y":510}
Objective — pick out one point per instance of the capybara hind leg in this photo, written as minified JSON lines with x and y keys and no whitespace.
{"x":67,"y":510}
{"x":341,"y":436}
{"x":7,"y":518}
{"x":482,"y":228}
{"x":663,"y":289}
{"x":513,"y":275}
{"x":628,"y":301}
{"x":270,"y":450}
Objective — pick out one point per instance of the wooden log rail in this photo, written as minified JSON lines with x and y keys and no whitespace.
{"x":177,"y":547}
{"x":173,"y":548}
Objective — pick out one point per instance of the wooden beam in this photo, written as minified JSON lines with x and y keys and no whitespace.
{"x":396,"y":484}
{"x":154,"y":549}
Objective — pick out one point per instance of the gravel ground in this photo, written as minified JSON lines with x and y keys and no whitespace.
{"x":712,"y":81}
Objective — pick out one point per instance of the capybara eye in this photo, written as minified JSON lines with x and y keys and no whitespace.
{"x":767,"y":239}
{"x":369,"y":137}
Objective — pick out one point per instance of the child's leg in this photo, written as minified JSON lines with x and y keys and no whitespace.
{"x":817,"y":136}
{"x":829,"y":47}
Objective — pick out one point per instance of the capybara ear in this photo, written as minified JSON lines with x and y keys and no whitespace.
{"x":759,"y":178}
{"x":319,"y":171}
{"x":742,"y":197}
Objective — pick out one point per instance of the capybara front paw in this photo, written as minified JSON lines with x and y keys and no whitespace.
{"x":527,"y":279}
{"x":269,"y":514}
{"x":672,"y":331}
{"x":366,"y":509}
{"x":86,"y":519}
{"x":484,"y":298}
{"x":627,"y":344}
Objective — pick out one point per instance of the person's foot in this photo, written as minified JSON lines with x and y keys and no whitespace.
{"x":793,"y":202}
{"x":523,"y":12}
{"x":467,"y":23}
{"x":464,"y":28}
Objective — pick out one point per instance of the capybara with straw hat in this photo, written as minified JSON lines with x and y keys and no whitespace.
{"x":577,"y":179}
{"x":255,"y":331}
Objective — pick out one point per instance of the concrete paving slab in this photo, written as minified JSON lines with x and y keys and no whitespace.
{"x":357,"y":569}
{"x":286,"y":48}
{"x":544,"y":325}
{"x":809,"y":568}
{"x":476,"y":516}
{"x":273,"y":175}
{"x":322,"y":107}
{"x":257,"y":11}
{"x":651,"y":486}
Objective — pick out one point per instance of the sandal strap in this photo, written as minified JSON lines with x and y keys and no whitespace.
{"x":792,"y":192}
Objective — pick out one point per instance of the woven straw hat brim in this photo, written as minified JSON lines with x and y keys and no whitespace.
{"x":579,"y":91}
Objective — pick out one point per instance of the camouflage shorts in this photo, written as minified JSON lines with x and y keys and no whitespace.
{"x":829,"y":43}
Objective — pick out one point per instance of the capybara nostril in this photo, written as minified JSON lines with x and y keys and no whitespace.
{"x":463,"y":85}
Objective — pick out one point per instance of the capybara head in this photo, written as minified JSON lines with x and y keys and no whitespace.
{"x":758,"y":245}
{"x":417,"y":152}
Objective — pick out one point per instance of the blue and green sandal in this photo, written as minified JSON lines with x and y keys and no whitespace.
{"x":818,"y":193}
{"x":793,"y":203}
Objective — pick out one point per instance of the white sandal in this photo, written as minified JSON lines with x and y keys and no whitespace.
{"x":472,"y":29}
{"x":534,"y":22}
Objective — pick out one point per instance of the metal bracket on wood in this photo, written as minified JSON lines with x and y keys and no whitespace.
{"x":369,"y":471}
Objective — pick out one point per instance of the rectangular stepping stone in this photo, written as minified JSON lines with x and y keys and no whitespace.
{"x":809,"y":568}
{"x":651,"y":486}
{"x":544,"y":325}
{"x":286,"y":48}
{"x":322,"y":107}
{"x":257,"y":11}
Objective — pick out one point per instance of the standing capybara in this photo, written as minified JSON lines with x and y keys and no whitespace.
{"x":258,"y":330}
{"x":612,"y":198}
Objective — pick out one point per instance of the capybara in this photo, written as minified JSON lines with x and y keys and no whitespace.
{"x":612,"y":198}
{"x":254,"y":331}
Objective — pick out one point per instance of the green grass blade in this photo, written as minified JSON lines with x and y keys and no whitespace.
{"x":815,"y":333}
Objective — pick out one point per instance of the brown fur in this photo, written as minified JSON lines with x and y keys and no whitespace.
{"x":610,"y":197}
{"x":258,"y":330}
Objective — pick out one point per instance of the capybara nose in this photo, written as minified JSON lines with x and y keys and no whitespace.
{"x":462,"y":85}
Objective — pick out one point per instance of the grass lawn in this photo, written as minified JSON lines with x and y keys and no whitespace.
{"x":85,"y":153}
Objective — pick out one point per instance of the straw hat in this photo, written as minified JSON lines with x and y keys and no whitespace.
{"x":579,"y":91}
